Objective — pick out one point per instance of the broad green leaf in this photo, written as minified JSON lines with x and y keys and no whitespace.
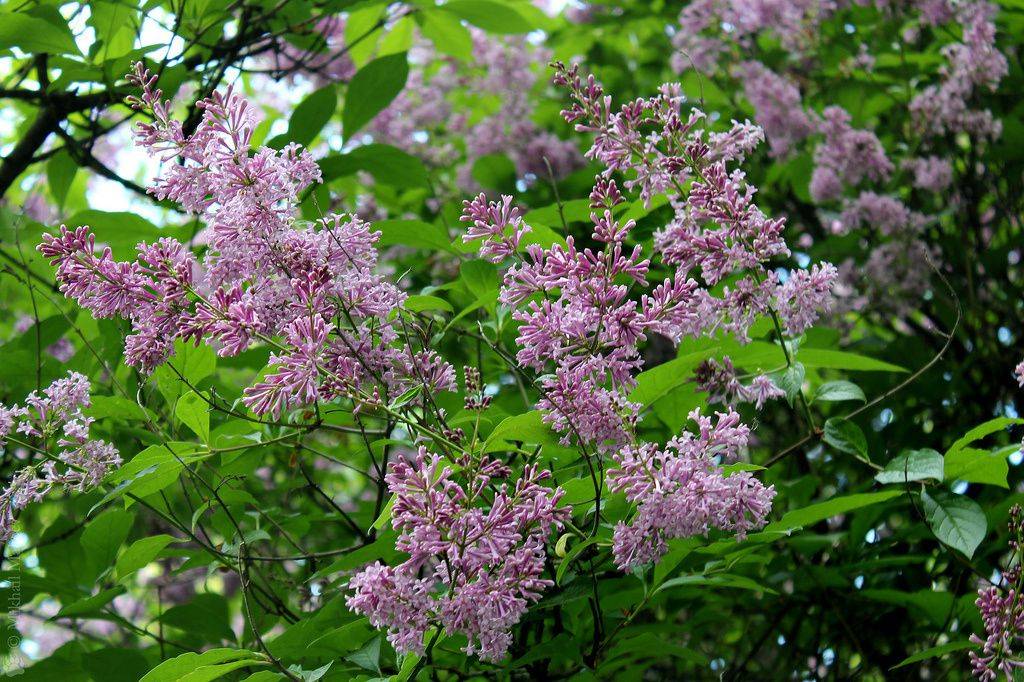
{"x":194,"y":412}
{"x":32,"y":34}
{"x":175,"y":669}
{"x":956,"y":520}
{"x":912,"y":465}
{"x":447,"y":33}
{"x":413,"y":233}
{"x":656,"y":382}
{"x":115,"y":25}
{"x":373,"y":88}
{"x":91,"y":606}
{"x":152,"y":470}
{"x":312,"y":114}
{"x":935,"y":652}
{"x":122,"y":231}
{"x":716,"y":580}
{"x":60,"y":173}
{"x":418,"y":304}
{"x":985,"y":429}
{"x":490,"y":15}
{"x":836,"y":391}
{"x":570,"y":556}
{"x":760,"y":355}
{"x":495,"y":171}
{"x":845,"y":436}
{"x":791,"y":381}
{"x":204,"y":614}
{"x":820,"y":511}
{"x":979,"y":466}
{"x":140,"y":553}
{"x":388,"y":165}
{"x":104,"y":406}
{"x":104,"y":535}
{"x":368,"y":657}
{"x":649,"y":647}
{"x":527,"y":428}
{"x":936,"y":604}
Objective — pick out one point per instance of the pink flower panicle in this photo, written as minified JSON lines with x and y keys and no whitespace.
{"x":722,"y":384}
{"x":1002,"y":612}
{"x":476,"y":553}
{"x":499,"y":224}
{"x":265,"y":277}
{"x":56,"y":424}
{"x":681,"y":491}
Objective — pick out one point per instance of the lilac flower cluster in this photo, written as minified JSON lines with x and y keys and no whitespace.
{"x":476,"y":553}
{"x":422,"y":121}
{"x":722,"y":384}
{"x":700,"y":40}
{"x":778,"y":106}
{"x":846,"y":156}
{"x":1002,"y":612}
{"x":680,"y":491}
{"x":58,"y":428}
{"x":973,"y":64}
{"x":309,"y":291}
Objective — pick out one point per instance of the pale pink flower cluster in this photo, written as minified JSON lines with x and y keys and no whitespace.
{"x":778,"y":106}
{"x":973,"y":64}
{"x":476,"y":553}
{"x":722,"y":384}
{"x":422,"y":120}
{"x":56,"y":425}
{"x":845,"y":156}
{"x":309,"y":291}
{"x":707,"y":28}
{"x":1002,"y":613}
{"x":681,"y":491}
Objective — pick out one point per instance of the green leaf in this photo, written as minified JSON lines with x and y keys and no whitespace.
{"x":791,"y":381}
{"x":571,"y":556}
{"x":716,"y":580}
{"x":177,"y":668}
{"x":495,"y":171}
{"x":121,"y":230}
{"x":31,"y":34}
{"x":419,"y":303}
{"x":799,"y":518}
{"x":845,"y":436}
{"x":115,"y":25}
{"x":312,"y":114}
{"x":836,"y":391}
{"x":368,"y":657}
{"x":105,"y":406}
{"x":90,"y":606}
{"x":985,"y":429}
{"x":140,"y":553}
{"x":152,"y":470}
{"x":492,"y":16}
{"x":526,"y":428}
{"x":760,"y":355}
{"x":980,"y":466}
{"x":447,"y":33}
{"x":60,"y":173}
{"x":912,"y":465}
{"x":194,"y":412}
{"x":104,"y":535}
{"x":935,"y":652}
{"x":373,"y":88}
{"x":205,"y":614}
{"x":658,"y":381}
{"x":388,"y":165}
{"x":956,"y":520}
{"x":413,"y":233}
